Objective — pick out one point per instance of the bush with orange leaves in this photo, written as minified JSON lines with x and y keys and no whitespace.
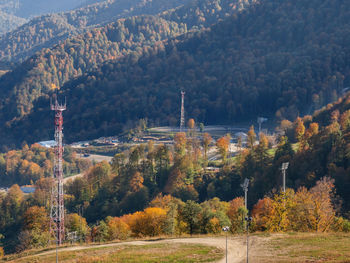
{"x":261,"y":213}
{"x":303,"y":210}
{"x":236,"y":213}
{"x":117,"y":228}
{"x":150,"y":222}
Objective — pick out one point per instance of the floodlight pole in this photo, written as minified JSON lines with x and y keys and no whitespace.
{"x":245,"y":189}
{"x":247,"y":242}
{"x":226,"y":229}
{"x":284,"y":180}
{"x":226,"y":247}
{"x":248,"y":220}
{"x":284,"y":168}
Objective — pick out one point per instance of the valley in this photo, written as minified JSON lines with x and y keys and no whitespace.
{"x":152,"y":130}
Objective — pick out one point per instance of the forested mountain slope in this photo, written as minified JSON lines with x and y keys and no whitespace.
{"x":53,"y":67}
{"x":47,"y":30}
{"x":280,"y":58}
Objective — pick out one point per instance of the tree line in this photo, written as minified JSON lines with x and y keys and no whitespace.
{"x":154,"y":189}
{"x":26,"y":166}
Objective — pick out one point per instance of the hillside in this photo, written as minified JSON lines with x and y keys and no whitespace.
{"x":85,"y":52}
{"x":47,"y":30}
{"x":276,"y":59}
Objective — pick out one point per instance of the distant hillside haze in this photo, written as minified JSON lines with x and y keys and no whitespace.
{"x":30,"y":8}
{"x":14,"y":13}
{"x":47,"y":30}
{"x":9,"y":22}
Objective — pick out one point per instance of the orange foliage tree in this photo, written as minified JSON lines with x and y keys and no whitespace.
{"x":180,"y":142}
{"x":261,"y":213}
{"x":223,"y":144}
{"x":236,"y":213}
{"x":206,"y":142}
{"x":150,"y":222}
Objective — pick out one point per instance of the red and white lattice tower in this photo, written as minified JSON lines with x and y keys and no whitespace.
{"x":182,"y":118}
{"x":57,"y":196}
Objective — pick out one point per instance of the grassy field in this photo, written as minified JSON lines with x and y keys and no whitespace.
{"x":173,"y":252}
{"x":305,"y":247}
{"x":264,"y":248}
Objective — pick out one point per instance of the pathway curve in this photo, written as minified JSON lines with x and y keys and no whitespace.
{"x":236,"y":246}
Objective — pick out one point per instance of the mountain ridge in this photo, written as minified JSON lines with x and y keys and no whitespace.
{"x":270,"y":59}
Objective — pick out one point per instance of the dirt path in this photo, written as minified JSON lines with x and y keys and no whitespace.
{"x":236,"y":246}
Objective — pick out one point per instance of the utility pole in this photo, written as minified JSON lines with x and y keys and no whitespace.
{"x":284,"y":168}
{"x":182,"y":118}
{"x":57,"y":195}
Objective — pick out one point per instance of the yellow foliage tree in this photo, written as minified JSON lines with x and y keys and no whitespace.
{"x":117,"y":228}
{"x":150,"y":222}
{"x":223,"y":144}
{"x":180,"y":142}
{"x":75,"y":222}
{"x":136,"y":182}
{"x":299,"y":132}
{"x":280,"y":206}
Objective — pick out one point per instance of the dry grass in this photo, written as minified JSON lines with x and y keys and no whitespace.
{"x":166,"y":252}
{"x":304,"y":247}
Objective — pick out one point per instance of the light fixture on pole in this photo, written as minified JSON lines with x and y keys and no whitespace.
{"x":284,"y":168}
{"x":226,"y":229}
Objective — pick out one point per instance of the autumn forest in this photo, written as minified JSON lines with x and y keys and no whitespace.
{"x":121,"y":65}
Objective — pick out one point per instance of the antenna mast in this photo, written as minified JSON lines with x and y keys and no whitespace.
{"x":182,"y":119}
{"x":57,"y":196}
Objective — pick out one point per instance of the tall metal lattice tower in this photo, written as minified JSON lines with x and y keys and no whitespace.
{"x":182,"y":118}
{"x":57,"y":197}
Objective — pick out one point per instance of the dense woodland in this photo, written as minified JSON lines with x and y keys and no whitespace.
{"x":280,"y":59}
{"x":76,"y":56}
{"x":230,"y":73}
{"x":153,"y":190}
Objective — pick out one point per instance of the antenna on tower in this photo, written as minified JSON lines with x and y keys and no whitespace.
{"x":182,"y":118}
{"x":57,"y":194}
